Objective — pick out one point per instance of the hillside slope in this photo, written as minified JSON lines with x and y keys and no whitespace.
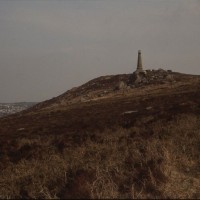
{"x":106,"y":139}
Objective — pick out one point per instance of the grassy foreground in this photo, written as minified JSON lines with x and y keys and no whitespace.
{"x":159,"y":160}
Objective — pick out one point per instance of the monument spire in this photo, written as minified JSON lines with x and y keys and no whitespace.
{"x":139,"y":62}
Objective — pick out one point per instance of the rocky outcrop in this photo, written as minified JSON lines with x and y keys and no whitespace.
{"x":151,"y":76}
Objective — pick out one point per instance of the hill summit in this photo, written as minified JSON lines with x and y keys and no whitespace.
{"x":113,"y":85}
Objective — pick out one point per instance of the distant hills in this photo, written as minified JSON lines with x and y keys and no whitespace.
{"x":11,"y":108}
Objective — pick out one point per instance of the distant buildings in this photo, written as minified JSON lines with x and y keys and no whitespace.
{"x":11,"y":108}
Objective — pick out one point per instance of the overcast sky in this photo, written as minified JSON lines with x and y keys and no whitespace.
{"x":50,"y":46}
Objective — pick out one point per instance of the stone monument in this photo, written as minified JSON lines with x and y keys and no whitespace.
{"x":139,"y":62}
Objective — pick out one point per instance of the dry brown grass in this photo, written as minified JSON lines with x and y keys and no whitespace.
{"x":160,"y":160}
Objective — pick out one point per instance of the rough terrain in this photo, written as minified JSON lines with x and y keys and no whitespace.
{"x":120,"y":136}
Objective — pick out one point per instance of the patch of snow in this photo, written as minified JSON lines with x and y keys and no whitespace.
{"x":130,"y":111}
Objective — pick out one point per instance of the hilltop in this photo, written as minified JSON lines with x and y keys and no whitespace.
{"x":112,"y":85}
{"x":118,"y":136}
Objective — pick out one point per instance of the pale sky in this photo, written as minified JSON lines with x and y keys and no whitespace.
{"x":50,"y":46}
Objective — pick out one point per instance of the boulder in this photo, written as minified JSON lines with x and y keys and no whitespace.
{"x":82,"y":99}
{"x":169,"y":77}
{"x":121,"y":85}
